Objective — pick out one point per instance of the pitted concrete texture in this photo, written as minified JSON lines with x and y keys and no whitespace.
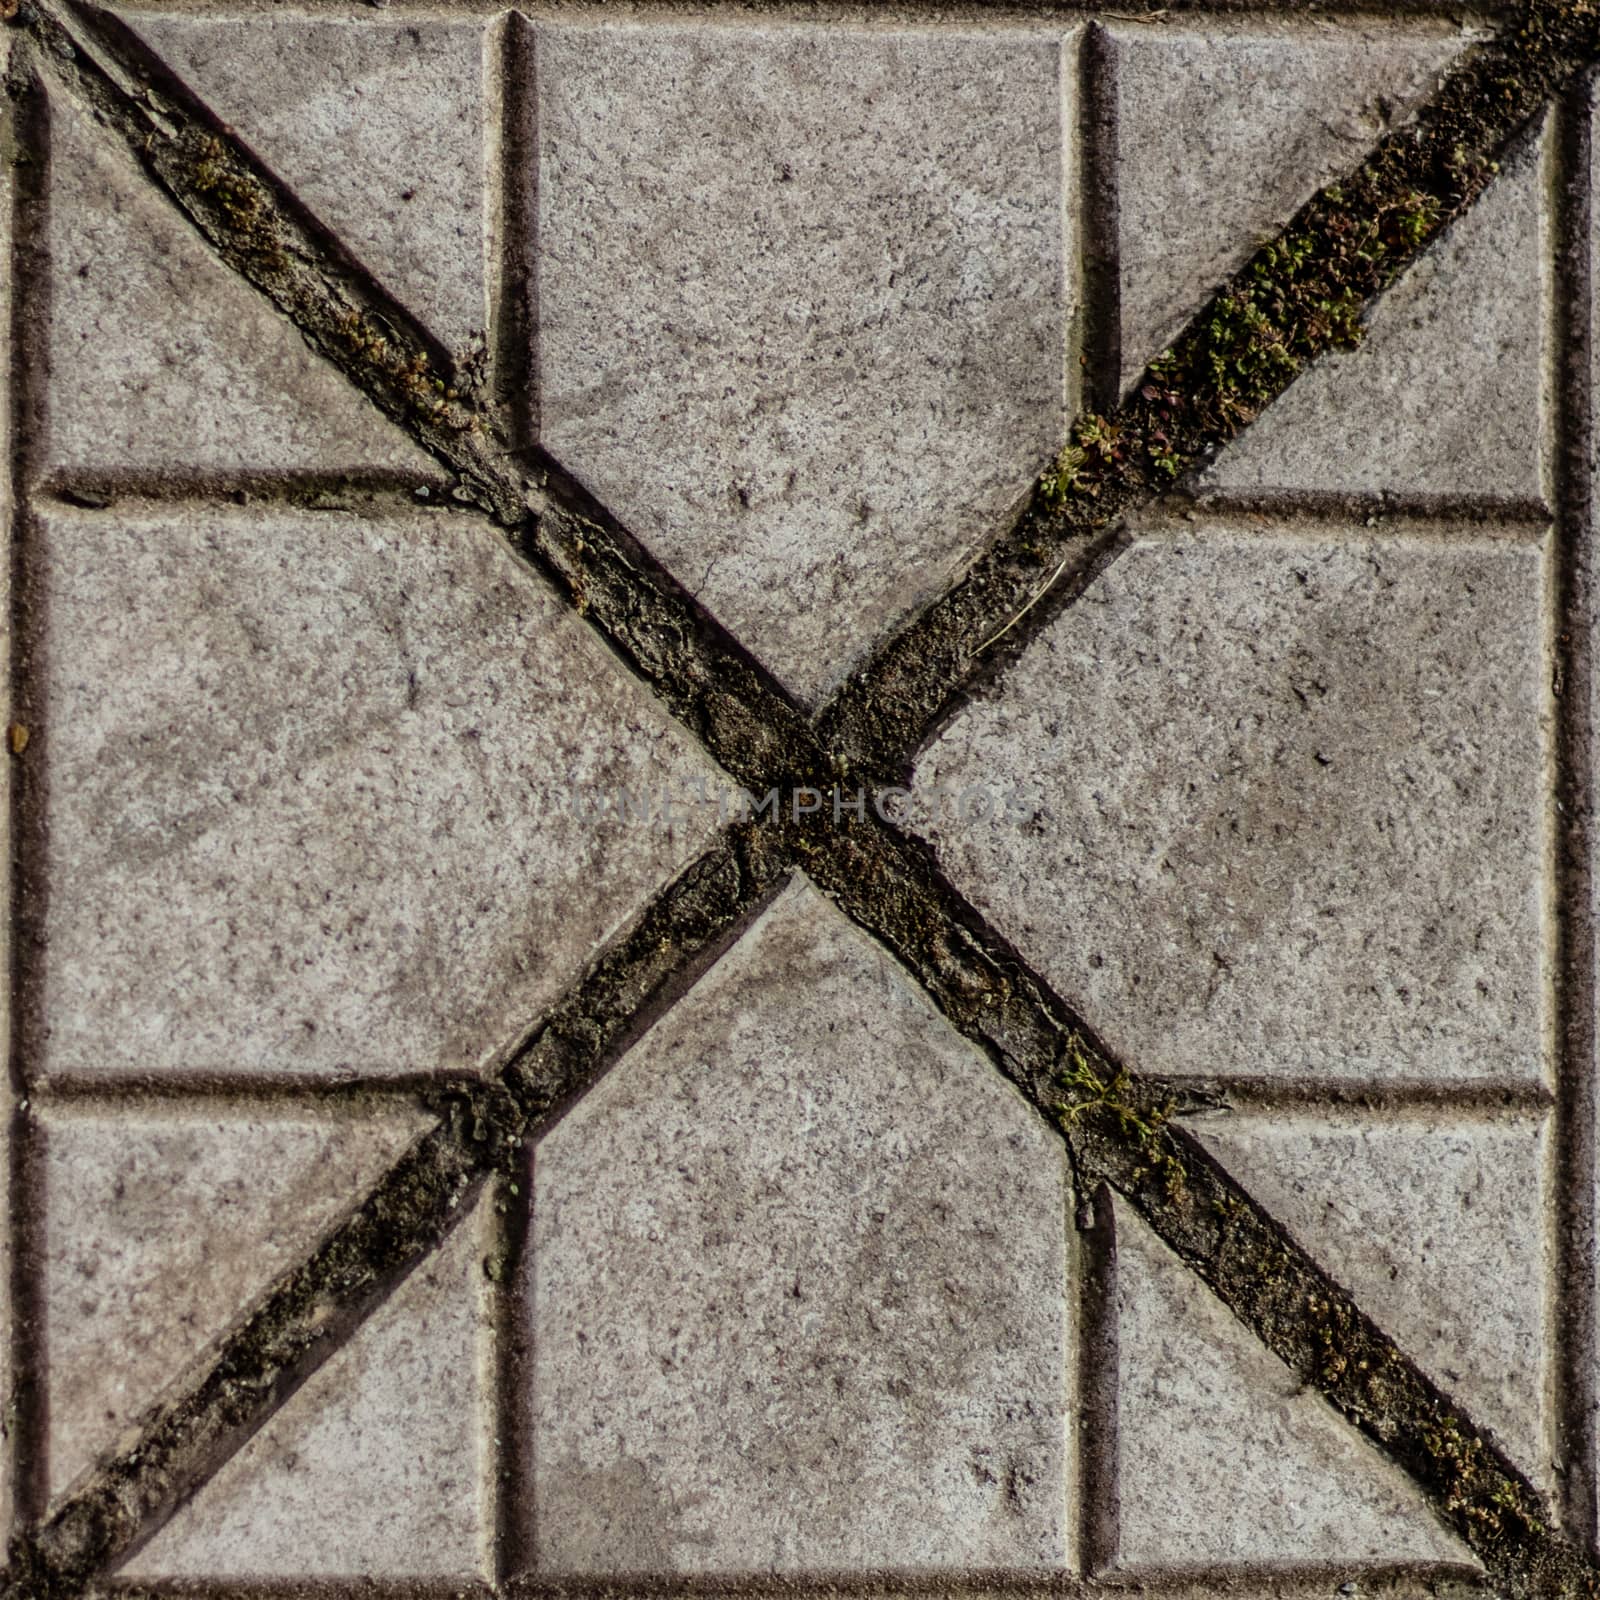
{"x":1422,"y":1217}
{"x":160,"y":1230}
{"x":799,"y":1292}
{"x":779,"y":1258}
{"x":1446,"y":395}
{"x":377,"y":124}
{"x":379,"y":1466}
{"x":330,"y":822}
{"x":1224,"y":130}
{"x":160,"y":360}
{"x":817,"y":278}
{"x":1279,"y":805}
{"x":1223,"y":1457}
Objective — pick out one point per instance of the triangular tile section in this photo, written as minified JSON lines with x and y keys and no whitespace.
{"x":1223,"y":135}
{"x":161,"y":359}
{"x":377,"y":125}
{"x":161,"y":1229}
{"x":378,"y":1466}
{"x":1440,"y":1232}
{"x":1222,"y":1458}
{"x":1446,"y":394}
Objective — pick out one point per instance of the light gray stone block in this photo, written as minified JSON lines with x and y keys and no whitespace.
{"x":1223,"y":134}
{"x":1447,"y":393}
{"x":1223,"y":1457}
{"x":1439,"y":1224}
{"x":1282,"y":805}
{"x":799,"y":1296}
{"x":161,"y":1228}
{"x":377,"y":125}
{"x":380,"y":1466}
{"x":310,"y":792}
{"x":802,"y":315}
{"x":161,"y":360}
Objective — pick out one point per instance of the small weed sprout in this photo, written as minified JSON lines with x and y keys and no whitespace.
{"x":1063,"y":476}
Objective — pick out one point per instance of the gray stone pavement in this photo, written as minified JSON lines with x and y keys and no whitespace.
{"x":453,"y":1147}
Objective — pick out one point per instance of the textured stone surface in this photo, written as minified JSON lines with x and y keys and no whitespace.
{"x":379,"y":1466}
{"x":161,"y":360}
{"x":1283,"y":805}
{"x":801,"y":308}
{"x":308,"y":792}
{"x":1223,"y":1456}
{"x":161,"y":1229}
{"x":1446,"y":395}
{"x":1421,"y":1220}
{"x":801,"y":1288}
{"x":1222,"y":133}
{"x":799,"y":1294}
{"x":377,"y":125}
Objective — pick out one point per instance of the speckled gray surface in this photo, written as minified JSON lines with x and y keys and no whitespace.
{"x":1446,"y":394}
{"x":381,"y":130}
{"x":160,"y":1229}
{"x":1223,"y":132}
{"x":331,"y":823}
{"x":381,"y":1465}
{"x":160,"y":361}
{"x":799,"y":1287}
{"x":1279,"y":808}
{"x":833,"y":266}
{"x":1222,"y":1457}
{"x":324,"y":796}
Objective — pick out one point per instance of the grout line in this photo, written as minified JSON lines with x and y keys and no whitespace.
{"x":1099,"y":1534}
{"x":1282,"y":1583}
{"x":27,"y":1406}
{"x":380,"y":493}
{"x":952,"y":13}
{"x":514,"y":1528}
{"x":27,"y":312}
{"x":367,"y":1588}
{"x":1572,"y":843}
{"x":1229,"y":1577}
{"x":1289,"y":1581}
{"x":1101,"y":279}
{"x":515,"y":368}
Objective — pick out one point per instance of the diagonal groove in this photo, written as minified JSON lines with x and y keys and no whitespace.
{"x":1116,"y":1127}
{"x":1119,"y":1130}
{"x":1296,"y":298}
{"x":314,"y":1308}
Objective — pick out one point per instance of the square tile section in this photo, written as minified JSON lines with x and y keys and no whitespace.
{"x":322,"y":794}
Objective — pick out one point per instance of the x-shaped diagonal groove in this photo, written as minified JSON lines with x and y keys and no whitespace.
{"x":1282,"y":310}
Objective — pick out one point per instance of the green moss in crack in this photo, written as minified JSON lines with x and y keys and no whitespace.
{"x":1090,"y":1086}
